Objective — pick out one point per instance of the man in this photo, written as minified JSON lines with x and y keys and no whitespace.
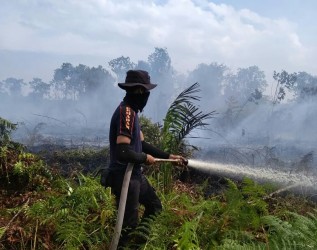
{"x":127,"y":145}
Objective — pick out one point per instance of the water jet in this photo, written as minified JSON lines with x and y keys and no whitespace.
{"x":298,"y":182}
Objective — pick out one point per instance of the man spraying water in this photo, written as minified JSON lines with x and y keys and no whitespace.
{"x":128,"y":150}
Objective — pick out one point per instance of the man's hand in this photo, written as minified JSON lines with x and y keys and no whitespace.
{"x":181,"y":160}
{"x":149,"y":160}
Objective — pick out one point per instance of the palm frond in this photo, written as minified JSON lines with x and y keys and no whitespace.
{"x":6,"y":127}
{"x":187,"y":95}
{"x":183,"y":116}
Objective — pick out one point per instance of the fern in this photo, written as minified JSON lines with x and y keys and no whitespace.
{"x":254,"y":194}
{"x":304,"y":228}
{"x":162,"y":229}
{"x":141,"y":234}
{"x":39,"y":210}
{"x":245,"y":205}
{"x":239,"y":235}
{"x":299,"y":233}
{"x":186,"y":237}
{"x":230,"y":244}
{"x":72,"y":234}
{"x":237,"y":219}
{"x":80,"y":218}
{"x":277,"y":226}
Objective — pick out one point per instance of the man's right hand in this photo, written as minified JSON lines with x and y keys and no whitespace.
{"x":149,"y":159}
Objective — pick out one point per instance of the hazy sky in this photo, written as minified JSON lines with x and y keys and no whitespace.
{"x":37,"y":36}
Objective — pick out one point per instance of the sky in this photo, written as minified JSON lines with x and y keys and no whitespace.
{"x":37,"y":36}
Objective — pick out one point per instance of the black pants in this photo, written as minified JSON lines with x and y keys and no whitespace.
{"x":140,"y":192}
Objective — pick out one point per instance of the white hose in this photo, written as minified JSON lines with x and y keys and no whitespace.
{"x":121,"y":209}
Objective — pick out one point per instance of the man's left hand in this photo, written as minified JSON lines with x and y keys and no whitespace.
{"x":181,"y":160}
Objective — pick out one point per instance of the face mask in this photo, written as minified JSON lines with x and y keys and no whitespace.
{"x":137,"y":101}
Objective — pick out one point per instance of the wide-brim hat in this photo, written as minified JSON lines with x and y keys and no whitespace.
{"x":137,"y":78}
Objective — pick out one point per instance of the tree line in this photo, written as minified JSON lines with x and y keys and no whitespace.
{"x":223,"y":89}
{"x":75,"y":82}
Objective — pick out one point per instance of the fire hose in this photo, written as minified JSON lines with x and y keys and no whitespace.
{"x":123,"y":198}
{"x":121,"y":208}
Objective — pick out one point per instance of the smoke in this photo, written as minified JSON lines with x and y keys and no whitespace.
{"x":288,"y":123}
{"x":247,"y":129}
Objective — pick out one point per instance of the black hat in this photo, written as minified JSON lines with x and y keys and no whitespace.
{"x":137,"y":78}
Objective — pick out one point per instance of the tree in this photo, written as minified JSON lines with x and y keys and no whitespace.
{"x":161,"y":73}
{"x":247,"y":85}
{"x":210,"y":77}
{"x":98,"y":81}
{"x":80,"y":81}
{"x":39,"y":88}
{"x":151,"y":131}
{"x":305,"y":87}
{"x":120,"y":66}
{"x":284,"y":81}
{"x":62,"y":81}
{"x":13,"y":86}
{"x":160,"y":65}
{"x":244,"y":87}
{"x":2,"y":87}
{"x":143,"y":65}
{"x":2,"y":90}
{"x":227,"y":120}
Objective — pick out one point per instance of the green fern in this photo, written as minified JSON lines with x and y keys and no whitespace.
{"x":299,"y":233}
{"x":239,"y":235}
{"x":72,"y":234}
{"x":229,"y":244}
{"x":245,"y":204}
{"x":304,"y":229}
{"x":277,"y":226}
{"x":80,"y":219}
{"x":237,"y":218}
{"x":162,"y":229}
{"x":186,"y":237}
{"x":254,"y":194}
{"x":39,"y":210}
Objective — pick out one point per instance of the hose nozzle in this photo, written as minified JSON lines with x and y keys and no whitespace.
{"x":185,"y":162}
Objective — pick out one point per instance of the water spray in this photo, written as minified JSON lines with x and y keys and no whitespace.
{"x":285,"y":180}
{"x":296,"y":181}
